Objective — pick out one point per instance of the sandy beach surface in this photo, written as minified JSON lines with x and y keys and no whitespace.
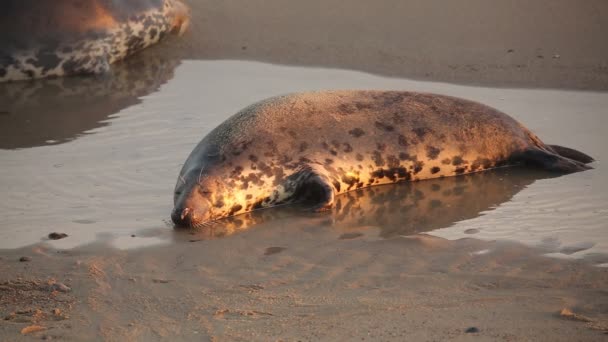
{"x":506,"y":255}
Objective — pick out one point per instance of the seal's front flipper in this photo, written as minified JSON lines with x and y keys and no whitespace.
{"x":551,"y":161}
{"x":571,"y":153}
{"x":314,"y":189}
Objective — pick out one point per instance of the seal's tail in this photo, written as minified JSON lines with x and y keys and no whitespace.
{"x":571,"y":153}
{"x":559,"y":159}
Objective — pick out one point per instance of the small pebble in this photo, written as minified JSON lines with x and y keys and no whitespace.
{"x":57,"y":236}
{"x":161,"y":281}
{"x":25,"y":259}
{"x":471,"y":330}
{"x":60,"y":287}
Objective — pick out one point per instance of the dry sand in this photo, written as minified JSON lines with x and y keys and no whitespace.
{"x":543,"y":43}
{"x":291,"y":281}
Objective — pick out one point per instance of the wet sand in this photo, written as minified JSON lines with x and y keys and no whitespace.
{"x":501,"y":253}
{"x":327,"y":284}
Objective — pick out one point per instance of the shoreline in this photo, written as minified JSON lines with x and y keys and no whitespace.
{"x":263,"y":285}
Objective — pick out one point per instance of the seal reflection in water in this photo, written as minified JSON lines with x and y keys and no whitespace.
{"x":310,"y":147}
{"x":401,"y":209}
{"x":61,"y":109}
{"x":42,"y":38}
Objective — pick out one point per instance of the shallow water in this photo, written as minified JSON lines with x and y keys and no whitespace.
{"x":98,"y":159}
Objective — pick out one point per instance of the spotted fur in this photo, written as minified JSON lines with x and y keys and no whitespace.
{"x":392,"y":137}
{"x":80,"y":38}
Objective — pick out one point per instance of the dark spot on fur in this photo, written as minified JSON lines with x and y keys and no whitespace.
{"x":356,"y":132}
{"x":381,"y":147}
{"x":265,"y":169}
{"x":350,"y":180}
{"x":481,"y":163}
{"x":303,"y":146}
{"x":421,"y":132}
{"x":329,"y":161}
{"x":384,"y":127}
{"x":403,"y":140}
{"x":460,"y":170}
{"x":347,"y":148}
{"x":257,"y":205}
{"x":418,"y":166}
{"x":253,"y":158}
{"x":134,"y":44}
{"x":404,"y":156}
{"x":305,"y":160}
{"x":457,"y":160}
{"x":248,"y":197}
{"x":336,"y":185}
{"x":432,"y":152}
{"x":219,"y":203}
{"x":394,"y":174}
{"x":325,"y":145}
{"x":377,"y":158}
{"x":46,"y":60}
{"x":378,"y":174}
{"x":435,"y":169}
{"x":359,"y":157}
{"x":335,"y":144}
{"x":153,"y":32}
{"x":446,"y":161}
{"x":235,"y":208}
{"x":236,"y":172}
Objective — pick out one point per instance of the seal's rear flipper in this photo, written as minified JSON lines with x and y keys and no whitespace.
{"x":572,"y":154}
{"x":551,"y":161}
{"x":315,"y":189}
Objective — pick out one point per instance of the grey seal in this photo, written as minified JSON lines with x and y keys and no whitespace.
{"x":310,"y":147}
{"x":42,"y":38}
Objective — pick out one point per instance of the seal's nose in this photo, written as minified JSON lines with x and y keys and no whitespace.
{"x":182,"y":217}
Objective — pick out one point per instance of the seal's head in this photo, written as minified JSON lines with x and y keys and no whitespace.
{"x":200,"y":194}
{"x":191,"y":204}
{"x":179,"y":15}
